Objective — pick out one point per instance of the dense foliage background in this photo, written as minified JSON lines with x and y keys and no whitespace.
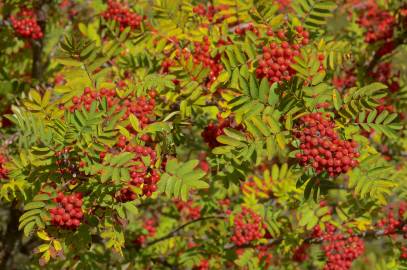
{"x":223,"y":134}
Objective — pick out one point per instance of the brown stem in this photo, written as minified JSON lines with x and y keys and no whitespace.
{"x":370,"y":234}
{"x":37,"y":45}
{"x":177,"y":230}
{"x":11,"y":240}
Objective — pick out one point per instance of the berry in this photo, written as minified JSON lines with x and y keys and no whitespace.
{"x":25,"y":24}
{"x":212,"y":131}
{"x":340,"y":249}
{"x":279,"y":56}
{"x":247,"y":227}
{"x":3,"y":170}
{"x":122,"y":15}
{"x":321,"y":148}
{"x":149,"y":227}
{"x":187,"y":208}
{"x":68,"y":214}
{"x":202,"y":55}
{"x":378,"y":23}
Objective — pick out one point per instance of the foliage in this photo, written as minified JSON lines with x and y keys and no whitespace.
{"x":203,"y":134}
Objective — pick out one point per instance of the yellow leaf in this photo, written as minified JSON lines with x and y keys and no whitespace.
{"x":57,"y":245}
{"x":43,"y":247}
{"x":43,"y":235}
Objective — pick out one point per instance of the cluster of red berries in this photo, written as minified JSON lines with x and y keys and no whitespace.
{"x":209,"y":12}
{"x":188,"y":209}
{"x":213,"y":130}
{"x":25,"y":24}
{"x":202,"y":55}
{"x":165,"y":65}
{"x":123,"y":15}
{"x":241,"y":30}
{"x":391,"y":224}
{"x":264,"y":254}
{"x":88,"y":97}
{"x":251,"y":187}
{"x":203,"y":163}
{"x":68,"y":214}
{"x":142,"y":107}
{"x":386,"y":48}
{"x":3,"y":170}
{"x":125,"y":195}
{"x":203,"y":265}
{"x":346,"y":80}
{"x":279,"y":56}
{"x":59,"y":79}
{"x":383,"y":73}
{"x":69,"y":6}
{"x":224,"y":205}
{"x":378,"y":23}
{"x":149,"y":227}
{"x":301,"y":253}
{"x":284,"y":4}
{"x":403,"y":255}
{"x":247,"y":227}
{"x":321,"y":146}
{"x":142,"y":175}
{"x":340,"y":249}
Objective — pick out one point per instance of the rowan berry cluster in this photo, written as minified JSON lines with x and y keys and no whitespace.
{"x":165,"y":65}
{"x":25,"y":24}
{"x":3,"y":170}
{"x":284,"y":4}
{"x":209,"y":12}
{"x":386,"y":48}
{"x":203,"y":265}
{"x":68,"y":214}
{"x":322,"y":148}
{"x":150,"y":230}
{"x":392,"y":224}
{"x":213,"y":130}
{"x":264,"y":254}
{"x":301,"y":253}
{"x":59,"y":79}
{"x":241,"y":30}
{"x":125,"y":195}
{"x":345,"y":80}
{"x":188,"y":209}
{"x":88,"y":97}
{"x":378,"y":23}
{"x":143,"y":173}
{"x":279,"y":56}
{"x":258,"y":188}
{"x":340,"y":249}
{"x":203,"y":163}
{"x":247,"y":227}
{"x":383,"y":73}
{"x":202,"y":55}
{"x":142,"y":107}
{"x":123,"y":15}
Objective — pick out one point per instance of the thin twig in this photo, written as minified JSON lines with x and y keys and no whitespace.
{"x":177,"y":230}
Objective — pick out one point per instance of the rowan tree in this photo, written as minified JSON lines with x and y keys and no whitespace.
{"x":223,"y":134}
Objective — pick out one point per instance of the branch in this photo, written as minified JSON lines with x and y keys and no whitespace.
{"x":369,"y":234}
{"x":177,"y":230}
{"x":38,"y":46}
{"x":11,"y":240}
